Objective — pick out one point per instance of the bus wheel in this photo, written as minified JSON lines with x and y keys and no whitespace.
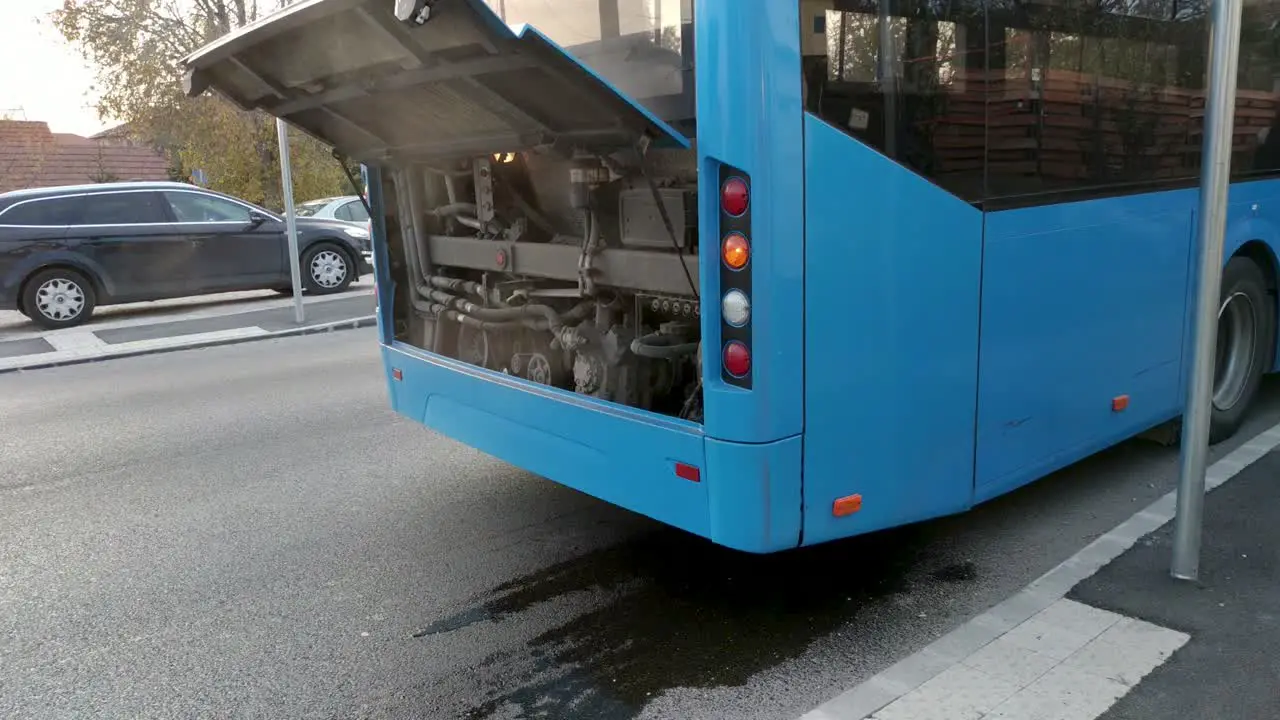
{"x":1246,"y":334}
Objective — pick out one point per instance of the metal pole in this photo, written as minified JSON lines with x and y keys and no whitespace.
{"x":1215,"y":177}
{"x":290,"y":219}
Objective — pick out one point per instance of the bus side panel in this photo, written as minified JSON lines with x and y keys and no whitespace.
{"x":1082,"y":327}
{"x":892,"y":272}
{"x":621,"y":456}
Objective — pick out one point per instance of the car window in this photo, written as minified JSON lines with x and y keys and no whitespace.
{"x":198,"y":207}
{"x":353,"y":211}
{"x":132,"y":208}
{"x":49,"y":211}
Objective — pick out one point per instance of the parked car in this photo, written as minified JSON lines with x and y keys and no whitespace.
{"x":66,"y":250}
{"x":347,"y":207}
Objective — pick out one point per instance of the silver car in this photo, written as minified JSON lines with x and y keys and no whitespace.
{"x":347,"y":207}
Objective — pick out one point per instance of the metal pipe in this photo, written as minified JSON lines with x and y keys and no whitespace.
{"x":409,"y":239}
{"x":546,"y":312}
{"x":1215,"y":178}
{"x":290,"y":219}
{"x":662,"y":347}
{"x":413,"y":194}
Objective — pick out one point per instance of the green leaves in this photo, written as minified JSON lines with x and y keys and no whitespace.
{"x":137,"y":46}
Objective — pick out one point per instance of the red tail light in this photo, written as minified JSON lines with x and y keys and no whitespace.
{"x":734,"y":196}
{"x":735,"y":277}
{"x":737,"y":359}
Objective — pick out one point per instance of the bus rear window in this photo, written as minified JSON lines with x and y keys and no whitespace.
{"x":643,"y":47}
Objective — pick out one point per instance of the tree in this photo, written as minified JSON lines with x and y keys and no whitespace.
{"x":137,"y":46}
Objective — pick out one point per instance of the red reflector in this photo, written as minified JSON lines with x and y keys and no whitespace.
{"x":1119,"y":403}
{"x":733,"y":196}
{"x":737,"y":359}
{"x":684,"y":471}
{"x":395,"y":373}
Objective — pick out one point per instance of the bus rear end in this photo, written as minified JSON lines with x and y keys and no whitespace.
{"x":583,"y":267}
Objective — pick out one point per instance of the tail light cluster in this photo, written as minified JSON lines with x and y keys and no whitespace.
{"x":735,"y":277}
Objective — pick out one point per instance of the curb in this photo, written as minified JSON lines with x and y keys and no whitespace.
{"x":871,"y":695}
{"x":351,"y":324}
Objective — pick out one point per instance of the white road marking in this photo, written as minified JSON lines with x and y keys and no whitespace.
{"x":82,"y":341}
{"x":80,"y":349}
{"x":1036,"y":656}
{"x":174,"y":342}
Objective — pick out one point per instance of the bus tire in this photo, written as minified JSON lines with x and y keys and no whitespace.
{"x":1246,"y":340}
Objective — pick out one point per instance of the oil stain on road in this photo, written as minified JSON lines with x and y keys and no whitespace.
{"x":677,"y":611}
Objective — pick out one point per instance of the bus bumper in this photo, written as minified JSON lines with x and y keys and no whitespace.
{"x":745,"y":496}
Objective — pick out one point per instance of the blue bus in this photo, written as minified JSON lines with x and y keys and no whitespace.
{"x":779,"y":272}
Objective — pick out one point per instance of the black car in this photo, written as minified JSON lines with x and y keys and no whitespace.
{"x":65,"y":250}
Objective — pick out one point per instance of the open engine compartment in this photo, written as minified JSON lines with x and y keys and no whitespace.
{"x":565,"y":268}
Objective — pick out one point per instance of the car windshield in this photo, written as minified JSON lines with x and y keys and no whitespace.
{"x":643,"y":47}
{"x":307,"y":209}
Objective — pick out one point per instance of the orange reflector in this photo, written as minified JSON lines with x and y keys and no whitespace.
{"x":395,"y":373}
{"x":846,"y":505}
{"x":685,"y":471}
{"x":735,"y":251}
{"x":1119,"y":403}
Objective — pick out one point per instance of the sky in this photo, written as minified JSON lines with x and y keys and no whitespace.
{"x":45,"y":79}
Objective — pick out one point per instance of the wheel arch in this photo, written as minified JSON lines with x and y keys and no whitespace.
{"x":95,"y":280}
{"x":1264,"y":256}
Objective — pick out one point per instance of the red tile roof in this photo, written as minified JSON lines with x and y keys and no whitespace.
{"x":32,"y":156}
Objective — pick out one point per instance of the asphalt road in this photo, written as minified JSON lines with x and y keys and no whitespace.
{"x":248,"y":531}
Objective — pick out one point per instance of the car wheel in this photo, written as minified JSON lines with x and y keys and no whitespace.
{"x":326,"y":269}
{"x":58,"y":298}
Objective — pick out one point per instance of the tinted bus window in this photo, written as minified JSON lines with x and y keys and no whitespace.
{"x":1257,"y":148}
{"x":48,"y":212}
{"x":905,"y":78}
{"x":1094,"y":101}
{"x":1010,"y":102}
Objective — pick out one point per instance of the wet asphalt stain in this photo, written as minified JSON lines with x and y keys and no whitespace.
{"x":956,"y":573}
{"x":678,"y":611}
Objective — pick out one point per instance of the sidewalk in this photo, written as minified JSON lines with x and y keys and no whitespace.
{"x":1108,"y":634}
{"x":172,"y":329}
{"x":1230,"y":668}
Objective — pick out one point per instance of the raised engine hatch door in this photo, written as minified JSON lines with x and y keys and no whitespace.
{"x":464,"y":83}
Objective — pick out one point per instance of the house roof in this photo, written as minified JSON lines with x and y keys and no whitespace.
{"x":33,"y":156}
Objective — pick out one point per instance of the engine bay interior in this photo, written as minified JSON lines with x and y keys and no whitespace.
{"x":565,"y":268}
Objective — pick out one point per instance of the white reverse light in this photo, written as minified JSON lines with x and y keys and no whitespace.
{"x":735,"y":308}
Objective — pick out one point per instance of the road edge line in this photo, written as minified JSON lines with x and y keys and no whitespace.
{"x":886,"y":686}
{"x":349,"y":324}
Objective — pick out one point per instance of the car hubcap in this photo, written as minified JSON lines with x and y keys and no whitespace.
{"x":328,"y":269}
{"x":60,"y":299}
{"x":1237,"y":340}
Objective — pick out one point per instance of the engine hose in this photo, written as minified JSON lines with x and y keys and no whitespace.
{"x":454,"y":209}
{"x":466,"y":307}
{"x":409,"y":241}
{"x":461,"y":319}
{"x":458,"y":285}
{"x":661,"y":347}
